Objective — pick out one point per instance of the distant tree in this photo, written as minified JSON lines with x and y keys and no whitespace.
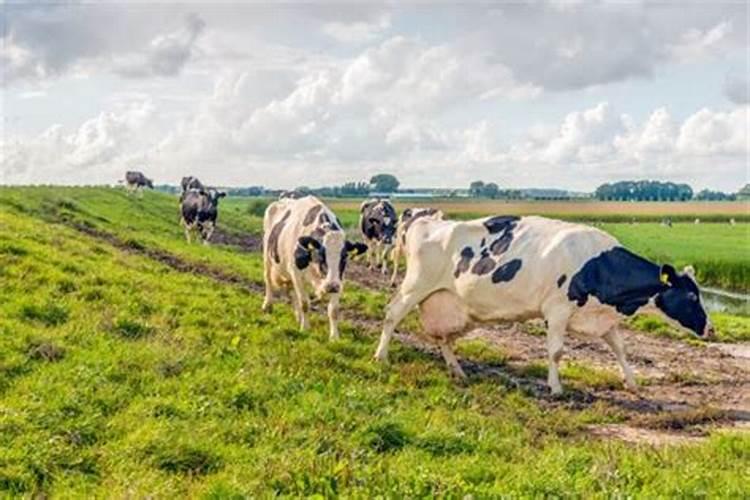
{"x":475,"y":188}
{"x":385,"y":183}
{"x":708,"y":195}
{"x":490,"y":190}
{"x":744,"y":193}
{"x":644,"y":191}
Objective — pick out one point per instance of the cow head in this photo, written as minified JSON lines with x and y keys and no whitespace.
{"x":680,"y":300}
{"x":148,"y":183}
{"x":327,"y":257}
{"x":214,"y":196}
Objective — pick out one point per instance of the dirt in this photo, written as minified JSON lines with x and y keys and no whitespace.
{"x":685,"y":389}
{"x":244,"y":242}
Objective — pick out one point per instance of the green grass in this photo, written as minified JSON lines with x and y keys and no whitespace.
{"x":120,"y":376}
{"x":720,"y":253}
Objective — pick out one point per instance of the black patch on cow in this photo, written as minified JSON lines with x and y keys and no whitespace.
{"x":273,"y":238}
{"x":350,"y":248}
{"x":501,"y":245}
{"x":324,"y":218}
{"x":507,"y":271}
{"x":680,"y":300}
{"x":463,"y":264}
{"x":500,"y":223}
{"x":561,"y":280}
{"x":617,"y":277}
{"x":485,"y":265}
{"x":302,"y":258}
{"x":311,"y":214}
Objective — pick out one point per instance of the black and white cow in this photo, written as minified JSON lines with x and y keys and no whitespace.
{"x":292,"y":194}
{"x":303,"y":242}
{"x":136,"y":181}
{"x":378,"y":222}
{"x":407,"y":218}
{"x":199,"y":210}
{"x":190,"y":182}
{"x":576,"y":277}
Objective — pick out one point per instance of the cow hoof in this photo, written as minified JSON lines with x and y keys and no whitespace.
{"x":632,"y":388}
{"x":380,"y":358}
{"x":267,"y":308}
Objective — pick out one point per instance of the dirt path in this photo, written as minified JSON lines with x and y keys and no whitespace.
{"x":685,"y":388}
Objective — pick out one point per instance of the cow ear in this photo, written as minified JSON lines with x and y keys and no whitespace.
{"x":309,"y":243}
{"x":221,"y":194}
{"x":354,"y":249}
{"x":690,"y":271}
{"x":302,"y":257}
{"x":667,"y":275}
{"x":407,"y":213}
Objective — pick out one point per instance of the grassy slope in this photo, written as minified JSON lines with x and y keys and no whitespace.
{"x":119,"y":376}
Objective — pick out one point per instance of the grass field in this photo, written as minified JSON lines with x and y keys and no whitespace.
{"x":123,"y":376}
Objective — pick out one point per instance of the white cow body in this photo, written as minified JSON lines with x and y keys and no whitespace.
{"x":528,"y":277}
{"x":407,"y":218}
{"x":288,"y":264}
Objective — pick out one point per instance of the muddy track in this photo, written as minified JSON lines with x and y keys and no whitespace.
{"x":685,"y":389}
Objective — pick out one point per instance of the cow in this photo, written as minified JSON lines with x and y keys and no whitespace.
{"x":732,"y":222}
{"x":303,"y":242}
{"x":666,"y":222}
{"x":408,"y":216}
{"x":378,"y":222}
{"x":136,"y":181}
{"x":190,"y":182}
{"x":199,"y":209}
{"x":576,"y":277}
{"x":293,"y":194}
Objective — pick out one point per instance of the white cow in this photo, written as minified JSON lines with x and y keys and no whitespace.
{"x":576,"y":277}
{"x":408,"y":216}
{"x":303,"y":242}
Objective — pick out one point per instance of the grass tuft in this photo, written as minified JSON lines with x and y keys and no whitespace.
{"x":48,"y":314}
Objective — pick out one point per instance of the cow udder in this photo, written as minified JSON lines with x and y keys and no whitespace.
{"x":442,"y":315}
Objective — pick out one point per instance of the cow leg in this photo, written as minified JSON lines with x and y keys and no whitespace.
{"x":333,"y":316}
{"x":208,"y":233}
{"x":396,"y":311}
{"x":268,"y":298}
{"x":555,"y":346}
{"x":371,"y":255}
{"x":186,"y":228}
{"x":300,"y":302}
{"x":384,"y":260}
{"x":450,"y":358}
{"x":395,"y":257}
{"x":615,"y":342}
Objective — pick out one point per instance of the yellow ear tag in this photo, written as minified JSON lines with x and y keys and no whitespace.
{"x":664,"y":278}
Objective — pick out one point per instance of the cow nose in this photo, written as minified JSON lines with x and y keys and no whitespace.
{"x":333,"y":288}
{"x":709,"y":332}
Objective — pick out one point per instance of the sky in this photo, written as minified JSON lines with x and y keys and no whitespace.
{"x":566,"y":94}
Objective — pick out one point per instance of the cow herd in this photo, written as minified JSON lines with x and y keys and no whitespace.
{"x":460,"y":274}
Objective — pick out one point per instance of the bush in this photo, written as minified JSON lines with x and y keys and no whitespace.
{"x":258,"y":208}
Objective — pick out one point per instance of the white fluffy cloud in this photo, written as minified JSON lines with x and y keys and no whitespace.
{"x":94,"y":151}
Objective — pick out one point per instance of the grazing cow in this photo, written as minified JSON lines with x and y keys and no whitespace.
{"x":293,"y":195}
{"x":303,"y":242}
{"x":199,"y":210}
{"x":190,"y":182}
{"x":576,"y":277}
{"x":697,"y":221}
{"x":732,"y":222}
{"x":378,"y":221}
{"x":408,"y":216}
{"x":667,"y":222}
{"x":136,"y":181}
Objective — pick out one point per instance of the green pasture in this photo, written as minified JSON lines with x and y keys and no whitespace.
{"x":122,"y":377}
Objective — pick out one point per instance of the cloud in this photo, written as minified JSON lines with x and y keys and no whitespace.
{"x":166,"y":55}
{"x":95,"y":150}
{"x":359,"y":31}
